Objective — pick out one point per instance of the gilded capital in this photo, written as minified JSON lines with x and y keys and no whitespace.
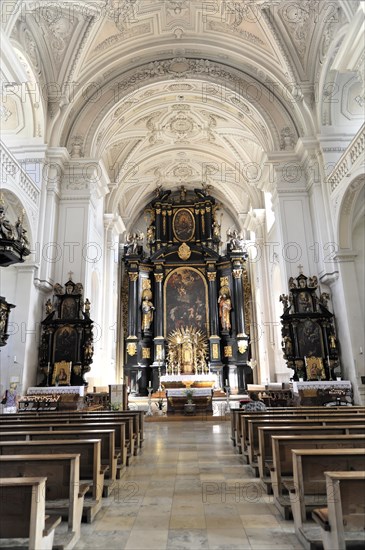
{"x":211,"y":276}
{"x":237,"y":273}
{"x":158,"y":277}
{"x":133,"y":276}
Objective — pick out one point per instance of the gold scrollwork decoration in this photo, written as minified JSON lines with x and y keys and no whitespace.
{"x":184,"y":251}
{"x":146,"y":353}
{"x":146,"y":284}
{"x":132,"y":349}
{"x":228,"y":351}
{"x":225,"y":281}
{"x":215,"y":351}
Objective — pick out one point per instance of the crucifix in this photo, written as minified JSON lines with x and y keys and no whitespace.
{"x":300,"y":267}
{"x":70,"y":273}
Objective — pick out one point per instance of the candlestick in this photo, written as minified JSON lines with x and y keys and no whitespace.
{"x":48,"y":367}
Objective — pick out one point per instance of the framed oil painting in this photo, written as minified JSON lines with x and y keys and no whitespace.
{"x":186,"y":300}
{"x":315,"y":368}
{"x":61,"y":375}
{"x":183,"y":225}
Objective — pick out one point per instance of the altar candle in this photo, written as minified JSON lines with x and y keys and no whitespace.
{"x":149,"y":385}
{"x":226,"y":382}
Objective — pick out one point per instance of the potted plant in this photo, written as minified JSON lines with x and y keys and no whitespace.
{"x":189,"y":396}
{"x":189,"y":407}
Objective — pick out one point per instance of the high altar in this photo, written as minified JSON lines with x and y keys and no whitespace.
{"x":185,"y":304}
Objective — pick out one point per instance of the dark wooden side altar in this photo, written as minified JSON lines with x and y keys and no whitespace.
{"x":66,"y":349}
{"x":183,"y":286}
{"x":309,"y":342}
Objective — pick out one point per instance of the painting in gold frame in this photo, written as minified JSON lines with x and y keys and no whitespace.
{"x":315,"y":368}
{"x":61,"y":375}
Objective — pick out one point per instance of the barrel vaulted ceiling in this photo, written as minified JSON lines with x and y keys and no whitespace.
{"x":178,"y":92}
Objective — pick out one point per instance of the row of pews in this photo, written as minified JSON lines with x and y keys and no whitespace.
{"x":55,"y":469}
{"x":312,"y":460}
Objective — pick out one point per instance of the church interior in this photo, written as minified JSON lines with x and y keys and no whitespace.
{"x":181,"y":225}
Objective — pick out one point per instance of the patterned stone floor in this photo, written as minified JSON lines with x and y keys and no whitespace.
{"x":188,"y":490}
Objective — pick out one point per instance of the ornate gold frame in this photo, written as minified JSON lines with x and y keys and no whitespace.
{"x":315,"y":369}
{"x":57,"y":368}
{"x":173,"y":224}
{"x":173,"y":271}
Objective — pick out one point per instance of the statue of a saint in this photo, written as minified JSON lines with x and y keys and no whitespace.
{"x":150,"y":234}
{"x":288,"y":346}
{"x":332,"y":339}
{"x":49,"y":307}
{"x":225,"y":306}
{"x":147,"y":312}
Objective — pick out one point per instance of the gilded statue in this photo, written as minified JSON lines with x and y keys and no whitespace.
{"x":225,"y":306}
{"x":147,"y":311}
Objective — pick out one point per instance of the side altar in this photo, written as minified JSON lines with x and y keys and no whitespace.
{"x":185,"y":300}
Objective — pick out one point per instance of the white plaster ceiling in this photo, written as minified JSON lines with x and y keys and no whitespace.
{"x":178,"y":92}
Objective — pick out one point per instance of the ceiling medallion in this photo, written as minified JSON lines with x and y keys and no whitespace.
{"x":184,"y":251}
{"x":179,"y":65}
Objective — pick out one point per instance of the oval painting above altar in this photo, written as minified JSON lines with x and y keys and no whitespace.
{"x":183,"y":225}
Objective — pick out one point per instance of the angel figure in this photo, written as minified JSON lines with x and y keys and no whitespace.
{"x":323,"y":299}
{"x":235,"y":239}
{"x":49,"y":307}
{"x":285,"y":301}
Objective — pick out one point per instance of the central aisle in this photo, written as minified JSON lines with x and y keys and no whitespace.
{"x":188,"y":490}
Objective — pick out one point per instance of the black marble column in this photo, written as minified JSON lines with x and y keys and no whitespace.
{"x":238,"y":300}
{"x":169,"y":225}
{"x":158,"y":223}
{"x":159,"y":341}
{"x":132,"y":304}
{"x":213,"y":303}
{"x":164,"y":237}
{"x":203,"y":224}
{"x":197,"y":225}
{"x":208,"y":222}
{"x":214,"y":339}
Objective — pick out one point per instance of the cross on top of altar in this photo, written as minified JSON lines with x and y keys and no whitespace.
{"x":300,"y":267}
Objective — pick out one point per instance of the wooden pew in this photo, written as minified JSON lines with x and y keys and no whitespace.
{"x":137,"y":426}
{"x":282,"y":470}
{"x":343,"y":521}
{"x":236,"y":415}
{"x":265,"y":433}
{"x":90,"y":462}
{"x":119,"y":428}
{"x":308,"y":489}
{"x":310,"y":420}
{"x":23,"y":512}
{"x":64,"y":494}
{"x":107,"y":438}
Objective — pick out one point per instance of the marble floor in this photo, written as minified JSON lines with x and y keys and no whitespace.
{"x":188,"y":489}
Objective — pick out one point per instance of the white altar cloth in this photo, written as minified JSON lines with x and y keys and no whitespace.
{"x":181,"y":392}
{"x":188,"y":377}
{"x":325,"y":385}
{"x":48,"y":390}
